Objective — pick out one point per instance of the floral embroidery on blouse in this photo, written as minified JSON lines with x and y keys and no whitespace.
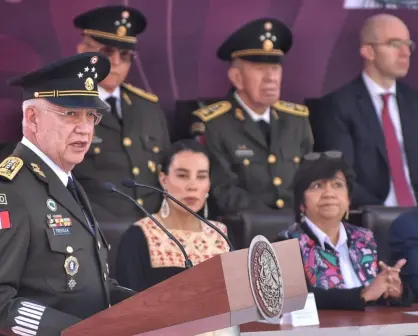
{"x":199,"y":245}
{"x":321,"y":266}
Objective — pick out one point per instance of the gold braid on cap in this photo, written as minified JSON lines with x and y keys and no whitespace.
{"x":110,"y":36}
{"x":257,"y":52}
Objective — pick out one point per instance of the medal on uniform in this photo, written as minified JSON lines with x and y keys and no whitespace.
{"x":71,"y":266}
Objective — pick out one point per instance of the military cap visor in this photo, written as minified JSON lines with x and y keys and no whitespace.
{"x":70,"y":82}
{"x":264,"y":40}
{"x":116,"y":26}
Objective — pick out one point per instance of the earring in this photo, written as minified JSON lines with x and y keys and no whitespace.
{"x":205,"y":209}
{"x":165,"y":208}
{"x":302,"y":217}
{"x":346,"y":215}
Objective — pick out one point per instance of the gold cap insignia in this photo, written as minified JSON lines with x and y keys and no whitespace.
{"x":89,"y":84}
{"x":268,"y":45}
{"x":121,"y":31}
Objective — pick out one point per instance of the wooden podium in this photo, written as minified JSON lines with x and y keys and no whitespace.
{"x":213,"y":295}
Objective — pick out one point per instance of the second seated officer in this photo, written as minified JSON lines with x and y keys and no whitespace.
{"x":255,"y":141}
{"x":129,"y":139}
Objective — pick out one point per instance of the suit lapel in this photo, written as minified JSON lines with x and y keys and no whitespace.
{"x":249,"y":126}
{"x":369,"y":115}
{"x":56,"y":188}
{"x":109,"y":121}
{"x":127,"y":112}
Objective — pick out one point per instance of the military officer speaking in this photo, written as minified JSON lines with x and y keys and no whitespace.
{"x":130,"y":137}
{"x":53,"y":255}
{"x":255,"y":140}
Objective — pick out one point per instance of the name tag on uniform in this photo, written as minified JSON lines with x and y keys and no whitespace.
{"x":61,"y":231}
{"x":244,"y":151}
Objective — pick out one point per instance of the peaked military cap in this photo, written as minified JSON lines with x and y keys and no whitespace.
{"x":70,"y":82}
{"x":116,"y":26}
{"x":264,"y":40}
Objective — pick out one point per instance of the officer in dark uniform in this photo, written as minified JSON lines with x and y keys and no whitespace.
{"x":53,"y":256}
{"x":255,"y":140}
{"x":130,"y":137}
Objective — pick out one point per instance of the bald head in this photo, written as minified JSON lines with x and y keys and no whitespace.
{"x":377,"y":24}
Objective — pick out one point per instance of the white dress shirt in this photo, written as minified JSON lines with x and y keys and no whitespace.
{"x":254,"y":116}
{"x":103,"y":95}
{"x":375,"y":91}
{"x":62,"y":175}
{"x":350,"y":277}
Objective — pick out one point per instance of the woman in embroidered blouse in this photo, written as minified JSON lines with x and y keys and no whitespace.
{"x":146,"y":255}
{"x":339,"y":259}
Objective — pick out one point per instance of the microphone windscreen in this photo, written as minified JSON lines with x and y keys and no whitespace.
{"x":108,"y":186}
{"x":128,"y":183}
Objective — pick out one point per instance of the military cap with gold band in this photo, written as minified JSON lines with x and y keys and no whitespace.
{"x":70,"y":82}
{"x":116,"y":26}
{"x":264,"y":40}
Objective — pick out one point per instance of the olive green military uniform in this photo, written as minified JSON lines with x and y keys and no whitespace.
{"x":54,"y":269}
{"x":246,"y":171}
{"x":129,"y":149}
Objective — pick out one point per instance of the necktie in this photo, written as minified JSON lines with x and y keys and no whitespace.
{"x":393,"y":149}
{"x":72,"y":187}
{"x":113,"y":109}
{"x":265,"y":129}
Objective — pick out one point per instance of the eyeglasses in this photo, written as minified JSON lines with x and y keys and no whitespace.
{"x":397,"y":44}
{"x":125,"y":55}
{"x":76,"y":116}
{"x":329,"y":154}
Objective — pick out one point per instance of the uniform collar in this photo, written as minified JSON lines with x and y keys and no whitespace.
{"x":62,"y":175}
{"x":254,"y":116}
{"x":103,"y":94}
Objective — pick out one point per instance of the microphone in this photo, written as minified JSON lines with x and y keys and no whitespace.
{"x":112,"y":188}
{"x":130,"y":183}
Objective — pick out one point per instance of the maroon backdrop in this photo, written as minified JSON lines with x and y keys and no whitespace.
{"x":178,"y":49}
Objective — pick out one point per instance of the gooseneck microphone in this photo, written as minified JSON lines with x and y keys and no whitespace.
{"x":112,"y":188}
{"x":130,"y":183}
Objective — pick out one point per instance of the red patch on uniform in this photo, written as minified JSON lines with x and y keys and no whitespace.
{"x":5,"y":220}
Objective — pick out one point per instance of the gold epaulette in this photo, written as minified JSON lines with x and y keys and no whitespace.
{"x":212,"y":111}
{"x":10,"y":167}
{"x":141,"y":93}
{"x":295,"y":109}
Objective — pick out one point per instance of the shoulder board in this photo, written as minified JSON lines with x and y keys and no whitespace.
{"x":291,"y":108}
{"x":10,"y":167}
{"x":212,"y":111}
{"x":141,"y":93}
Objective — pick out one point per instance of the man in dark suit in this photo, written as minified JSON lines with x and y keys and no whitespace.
{"x":373,"y":120}
{"x":403,"y":242}
{"x":53,"y":256}
{"x":255,"y":141}
{"x":130,"y":137}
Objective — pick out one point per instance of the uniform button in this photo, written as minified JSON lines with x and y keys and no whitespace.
{"x":104,"y":276}
{"x":277,"y":181}
{"x":140,"y":201}
{"x":296,"y":159}
{"x":107,"y":268}
{"x":271,"y":159}
{"x":99,"y":245}
{"x":152,"y":166}
{"x":136,"y":171}
{"x":280,"y":203}
{"x":70,"y":249}
{"x":109,"y":247}
{"x":156,"y":149}
{"x":96,"y":150}
{"x":127,"y":142}
{"x":246,"y":162}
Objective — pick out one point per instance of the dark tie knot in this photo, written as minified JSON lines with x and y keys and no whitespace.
{"x":385,"y":97}
{"x":71,"y":185}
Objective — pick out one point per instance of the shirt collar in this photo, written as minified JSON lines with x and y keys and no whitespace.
{"x":62,"y":175}
{"x":375,"y":89}
{"x":322,"y":236}
{"x":254,"y":116}
{"x":103,"y":94}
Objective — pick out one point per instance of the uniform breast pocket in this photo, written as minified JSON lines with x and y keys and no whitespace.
{"x":66,"y":272}
{"x":252,"y":173}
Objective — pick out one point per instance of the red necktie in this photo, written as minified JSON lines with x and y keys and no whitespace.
{"x":393,"y":149}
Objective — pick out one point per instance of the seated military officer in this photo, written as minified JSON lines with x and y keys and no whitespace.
{"x":255,"y":140}
{"x":129,"y":139}
{"x":53,"y":255}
